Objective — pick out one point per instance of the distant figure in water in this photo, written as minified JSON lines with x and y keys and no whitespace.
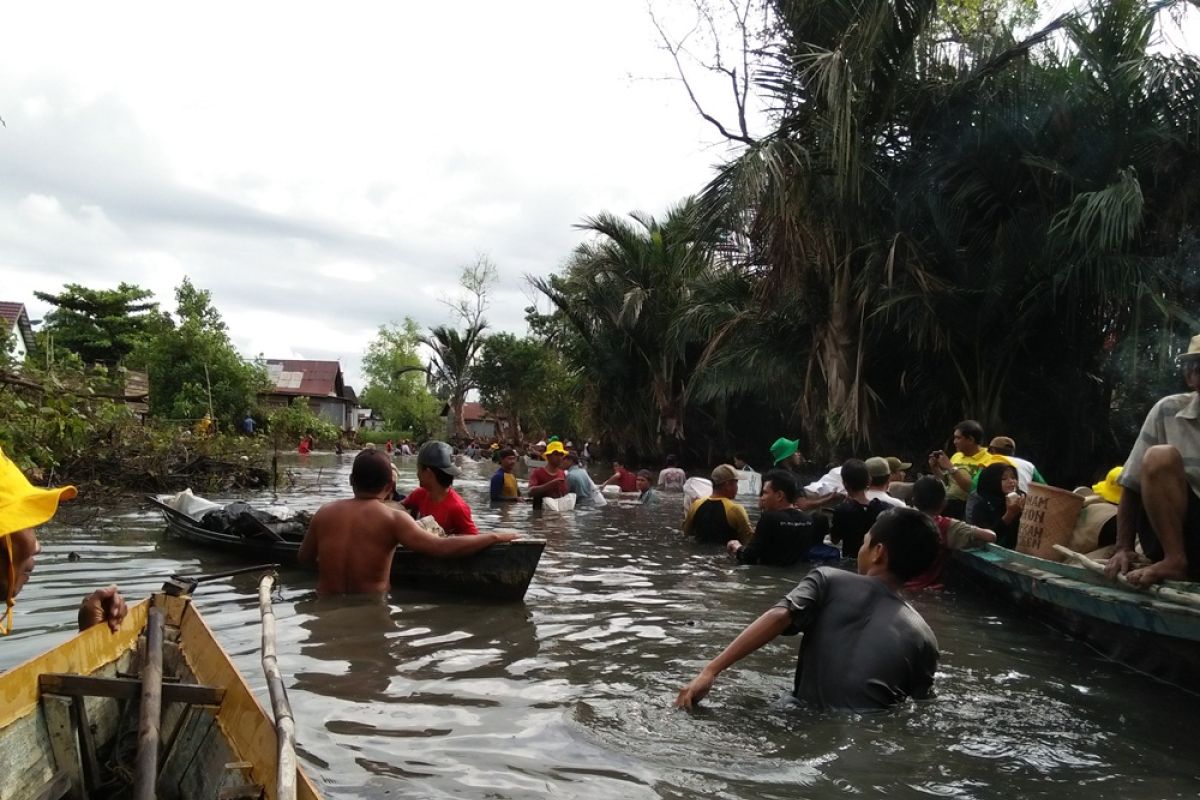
{"x":646,"y":494}
{"x":864,"y":647}
{"x":352,"y":541}
{"x":306,"y":445}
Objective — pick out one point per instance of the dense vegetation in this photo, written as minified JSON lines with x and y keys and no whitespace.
{"x":934,"y":227}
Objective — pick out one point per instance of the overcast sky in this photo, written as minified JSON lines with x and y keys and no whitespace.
{"x":324,"y":169}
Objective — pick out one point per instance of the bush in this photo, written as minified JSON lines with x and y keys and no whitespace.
{"x":381,"y":437}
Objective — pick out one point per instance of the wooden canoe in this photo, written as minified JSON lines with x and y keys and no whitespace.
{"x":69,"y":717}
{"x":1136,"y":629}
{"x":502,"y":572}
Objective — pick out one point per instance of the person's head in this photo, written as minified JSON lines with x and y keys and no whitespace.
{"x":670,"y":461}
{"x":1189,"y":361}
{"x":855,"y":476}
{"x":1002,"y":446}
{"x":618,"y":466}
{"x":902,"y":542}
{"x":739,"y":460}
{"x":997,"y":480}
{"x":507,"y":458}
{"x":929,"y":495}
{"x":878,"y":471}
{"x":554,"y":454}
{"x":435,"y":465}
{"x":371,"y":474}
{"x":899,"y":468}
{"x":779,"y":490}
{"x":968,"y":436}
{"x":643,"y":480}
{"x":23,"y":507}
{"x":785,"y":452}
{"x":725,"y":481}
{"x":570,"y":460}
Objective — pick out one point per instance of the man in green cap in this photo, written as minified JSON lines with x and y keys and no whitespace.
{"x":785,"y":453}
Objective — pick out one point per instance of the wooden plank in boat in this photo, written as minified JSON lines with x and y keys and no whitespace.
{"x":84,"y":654}
{"x":242,"y":720}
{"x":128,"y":689}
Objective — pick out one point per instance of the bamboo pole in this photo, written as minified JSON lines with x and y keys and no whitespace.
{"x":145,"y":774}
{"x":285,"y":725}
{"x":1166,"y":593}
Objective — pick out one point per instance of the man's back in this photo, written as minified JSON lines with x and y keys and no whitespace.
{"x":864,"y":647}
{"x":782,"y":537}
{"x":716,"y":520}
{"x":354,"y":542}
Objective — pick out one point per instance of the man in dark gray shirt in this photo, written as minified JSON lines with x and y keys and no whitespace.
{"x":864,"y":647}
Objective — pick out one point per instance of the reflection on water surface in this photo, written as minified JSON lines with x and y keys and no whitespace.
{"x":569,"y":693}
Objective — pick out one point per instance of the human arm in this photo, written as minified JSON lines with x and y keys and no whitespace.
{"x":1128,"y":512}
{"x":103,"y":605}
{"x":690,"y":517}
{"x":764,"y":629}
{"x":823,"y":501}
{"x":961,"y":535}
{"x":541,"y":484}
{"x":735,"y":514}
{"x":412,"y":536}
{"x":307,"y":554}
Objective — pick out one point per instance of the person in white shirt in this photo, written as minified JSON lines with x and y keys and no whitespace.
{"x":671,"y":477}
{"x":880,"y":472}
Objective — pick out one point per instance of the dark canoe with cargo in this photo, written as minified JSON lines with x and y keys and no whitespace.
{"x":1155,"y":631}
{"x":502,"y":572}
{"x":156,"y":709}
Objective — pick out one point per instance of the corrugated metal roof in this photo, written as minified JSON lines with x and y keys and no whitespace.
{"x":305,"y":378}
{"x":11,"y":312}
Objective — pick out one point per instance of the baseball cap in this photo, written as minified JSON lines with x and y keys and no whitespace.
{"x":878,"y":467}
{"x":439,"y":456}
{"x":897,"y":465}
{"x":784,"y":448}
{"x":723,"y":474}
{"x":1002,"y":443}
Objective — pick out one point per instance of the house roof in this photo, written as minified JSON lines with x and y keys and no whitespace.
{"x":303,"y":378}
{"x":14,"y":315}
{"x":472,"y":412}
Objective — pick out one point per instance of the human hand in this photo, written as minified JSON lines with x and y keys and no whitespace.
{"x":506,"y":536}
{"x":695,"y":691}
{"x":1014,"y":502}
{"x":103,"y":605}
{"x":1118,"y":564}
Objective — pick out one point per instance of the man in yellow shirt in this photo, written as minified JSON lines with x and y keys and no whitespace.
{"x":958,"y":472}
{"x":717,"y":519}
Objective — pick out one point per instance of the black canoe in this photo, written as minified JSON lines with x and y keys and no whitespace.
{"x":501,"y":572}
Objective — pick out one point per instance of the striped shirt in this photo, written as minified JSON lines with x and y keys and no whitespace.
{"x":1175,"y":421}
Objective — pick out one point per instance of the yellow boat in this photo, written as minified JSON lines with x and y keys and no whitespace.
{"x":101,"y":716}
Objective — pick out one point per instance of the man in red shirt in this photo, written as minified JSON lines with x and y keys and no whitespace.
{"x":435,"y":497}
{"x":550,"y":480}
{"x":626,"y":480}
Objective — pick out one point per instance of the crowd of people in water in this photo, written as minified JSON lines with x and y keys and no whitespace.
{"x":865,"y":646}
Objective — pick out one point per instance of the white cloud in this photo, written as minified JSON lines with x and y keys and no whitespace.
{"x":325,"y":170}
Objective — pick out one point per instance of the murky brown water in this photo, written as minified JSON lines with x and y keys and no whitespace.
{"x":569,"y":694}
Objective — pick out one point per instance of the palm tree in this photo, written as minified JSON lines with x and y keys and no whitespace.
{"x":452,"y":364}
{"x":620,"y":294}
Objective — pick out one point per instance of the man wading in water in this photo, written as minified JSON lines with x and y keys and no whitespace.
{"x":352,"y":541}
{"x":864,"y":647}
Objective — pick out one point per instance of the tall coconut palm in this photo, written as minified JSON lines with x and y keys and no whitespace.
{"x":452,"y":362}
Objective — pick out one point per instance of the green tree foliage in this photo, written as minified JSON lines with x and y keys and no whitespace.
{"x":987,"y":227}
{"x":514,"y":380}
{"x":193,"y":359}
{"x":616,"y":302}
{"x":102,"y":326}
{"x":287,"y":424}
{"x":397,"y":384}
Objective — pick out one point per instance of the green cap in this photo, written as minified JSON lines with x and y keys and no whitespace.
{"x":784,"y":448}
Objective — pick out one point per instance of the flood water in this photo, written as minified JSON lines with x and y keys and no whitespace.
{"x":569,"y":694}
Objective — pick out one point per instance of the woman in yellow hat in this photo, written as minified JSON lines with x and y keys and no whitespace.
{"x":22,"y":508}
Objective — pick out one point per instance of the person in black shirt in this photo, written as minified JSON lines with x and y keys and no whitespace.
{"x":784,"y":534}
{"x":857,"y":513}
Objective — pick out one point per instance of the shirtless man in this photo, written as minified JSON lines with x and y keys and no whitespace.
{"x":352,"y":541}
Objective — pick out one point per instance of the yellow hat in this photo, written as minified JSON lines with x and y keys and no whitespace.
{"x":23,"y":505}
{"x":1108,"y":488}
{"x":554,"y":447}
